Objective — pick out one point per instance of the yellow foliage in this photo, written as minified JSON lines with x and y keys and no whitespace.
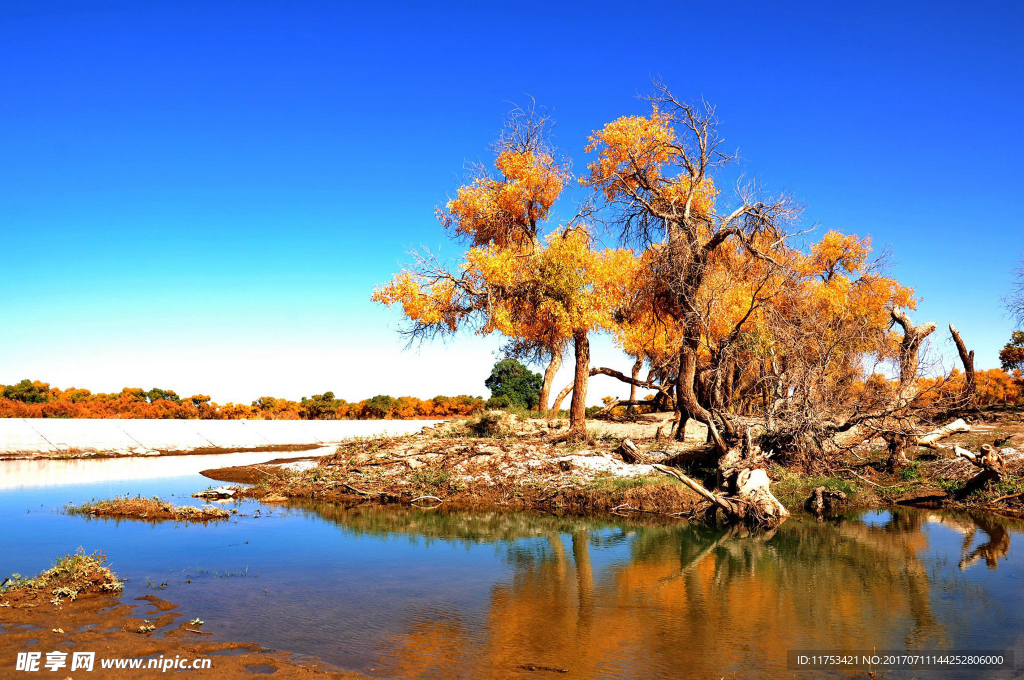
{"x":633,"y":150}
{"x":506,"y":211}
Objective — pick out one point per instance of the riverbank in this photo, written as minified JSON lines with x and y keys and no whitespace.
{"x":492,"y":461}
{"x":502,"y":461}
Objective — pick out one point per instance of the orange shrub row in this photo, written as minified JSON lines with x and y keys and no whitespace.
{"x":35,"y":399}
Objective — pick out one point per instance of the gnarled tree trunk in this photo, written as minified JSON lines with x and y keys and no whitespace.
{"x":637,"y":367}
{"x":549,"y":379}
{"x":687,"y":395}
{"x":749,"y":498}
{"x":578,"y":407}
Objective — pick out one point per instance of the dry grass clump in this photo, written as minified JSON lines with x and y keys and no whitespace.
{"x":152,"y":509}
{"x":71,"y":576}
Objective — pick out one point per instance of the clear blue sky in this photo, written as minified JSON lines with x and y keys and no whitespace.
{"x":201,"y":195}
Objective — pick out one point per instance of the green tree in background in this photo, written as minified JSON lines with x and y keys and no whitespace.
{"x":380,"y":406}
{"x":28,"y":392}
{"x":320,"y":406}
{"x":1012,"y":353}
{"x":156,"y":393}
{"x":513,"y":384}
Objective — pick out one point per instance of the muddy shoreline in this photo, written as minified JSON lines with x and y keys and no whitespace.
{"x":110,"y":626}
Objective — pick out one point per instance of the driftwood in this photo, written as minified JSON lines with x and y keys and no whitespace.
{"x":741,"y":470}
{"x":823,"y":499}
{"x":991,"y":465}
{"x":738,"y":458}
{"x":727,"y":506}
{"x":929,"y":439}
{"x":762,"y":507}
{"x":631,"y":454}
{"x":989,"y":460}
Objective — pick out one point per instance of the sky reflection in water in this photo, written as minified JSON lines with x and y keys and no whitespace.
{"x":432,"y":594}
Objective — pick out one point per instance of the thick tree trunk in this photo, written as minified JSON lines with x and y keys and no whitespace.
{"x":578,"y":407}
{"x":688,"y":401}
{"x":637,"y":367}
{"x":731,"y":375}
{"x":549,"y":379}
{"x":679,"y":428}
{"x":970,"y":392}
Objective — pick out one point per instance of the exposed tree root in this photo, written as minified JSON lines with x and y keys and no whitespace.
{"x":991,"y":466}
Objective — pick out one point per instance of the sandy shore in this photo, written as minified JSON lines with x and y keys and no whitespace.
{"x":58,"y":437}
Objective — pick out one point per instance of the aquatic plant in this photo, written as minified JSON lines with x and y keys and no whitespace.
{"x":70,"y":576}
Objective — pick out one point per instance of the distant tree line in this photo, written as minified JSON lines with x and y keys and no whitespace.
{"x":35,"y":399}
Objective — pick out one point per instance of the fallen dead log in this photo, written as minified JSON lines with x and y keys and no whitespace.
{"x":728,"y":507}
{"x":929,"y":439}
{"x":753,"y":490}
{"x":741,"y":470}
{"x":747,"y":456}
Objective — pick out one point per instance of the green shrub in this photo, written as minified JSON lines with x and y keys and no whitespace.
{"x":513,"y":381}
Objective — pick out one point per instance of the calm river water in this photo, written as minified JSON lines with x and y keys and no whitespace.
{"x":432,"y":594}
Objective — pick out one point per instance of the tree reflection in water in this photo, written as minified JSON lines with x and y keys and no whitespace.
{"x":653,"y":599}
